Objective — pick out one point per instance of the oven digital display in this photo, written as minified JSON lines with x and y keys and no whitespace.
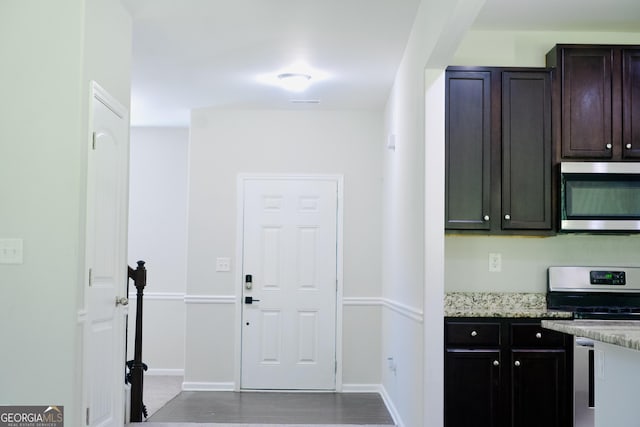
{"x":613,"y":278}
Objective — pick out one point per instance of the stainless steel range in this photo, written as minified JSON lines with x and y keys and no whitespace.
{"x":595,"y":292}
{"x":592,"y":293}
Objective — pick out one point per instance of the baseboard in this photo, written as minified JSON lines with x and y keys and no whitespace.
{"x":361,"y":388}
{"x":198,"y":386}
{"x":391,"y":407}
{"x":166,"y":372}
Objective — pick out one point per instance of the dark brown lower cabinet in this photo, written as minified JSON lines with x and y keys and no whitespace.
{"x":506,"y":373}
{"x":472,"y":387}
{"x":538,"y":390}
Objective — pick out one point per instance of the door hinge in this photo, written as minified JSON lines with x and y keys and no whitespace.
{"x":335,"y":367}
{"x":87,"y":420}
{"x":90,"y":277}
{"x":93,"y":140}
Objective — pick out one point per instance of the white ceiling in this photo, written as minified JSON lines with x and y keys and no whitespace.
{"x":207,"y":53}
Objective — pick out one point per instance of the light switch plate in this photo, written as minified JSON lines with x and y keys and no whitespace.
{"x":223,"y":264}
{"x":11,"y":251}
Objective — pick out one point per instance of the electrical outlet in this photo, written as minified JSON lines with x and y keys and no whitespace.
{"x":392,"y":365}
{"x":495,"y":262}
{"x":11,"y":251}
{"x":223,"y":264}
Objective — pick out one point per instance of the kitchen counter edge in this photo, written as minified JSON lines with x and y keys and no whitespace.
{"x":499,"y":304}
{"x":623,"y":333}
{"x":509,"y":314}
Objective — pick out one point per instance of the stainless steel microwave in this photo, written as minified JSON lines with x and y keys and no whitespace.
{"x":600,"y":196}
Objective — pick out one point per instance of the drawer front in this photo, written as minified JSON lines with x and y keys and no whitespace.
{"x":532,"y":335}
{"x":472,"y":334}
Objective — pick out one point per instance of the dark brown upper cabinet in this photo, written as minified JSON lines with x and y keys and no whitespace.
{"x":597,"y":91}
{"x":498,"y":150}
{"x":468,"y":149}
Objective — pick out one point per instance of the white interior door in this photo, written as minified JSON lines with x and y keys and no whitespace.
{"x":106,"y":260}
{"x":290,"y":251}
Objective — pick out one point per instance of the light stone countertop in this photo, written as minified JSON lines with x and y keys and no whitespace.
{"x":623,"y":333}
{"x":499,"y":304}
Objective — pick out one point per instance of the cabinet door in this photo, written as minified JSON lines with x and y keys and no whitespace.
{"x":526,"y":150}
{"x":468,"y":145}
{"x":472,"y":388}
{"x":587,"y":102}
{"x":538,"y":388}
{"x":631,"y":103}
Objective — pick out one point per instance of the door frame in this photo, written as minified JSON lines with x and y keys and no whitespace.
{"x":238,"y":282}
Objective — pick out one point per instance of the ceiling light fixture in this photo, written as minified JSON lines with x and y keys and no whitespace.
{"x":304,"y":101}
{"x":297,"y":77}
{"x":294,"y":82}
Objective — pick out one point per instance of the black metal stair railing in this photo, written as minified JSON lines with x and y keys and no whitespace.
{"x":136,"y":366}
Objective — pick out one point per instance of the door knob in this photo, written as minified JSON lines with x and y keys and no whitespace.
{"x":122,"y":301}
{"x":250,"y":300}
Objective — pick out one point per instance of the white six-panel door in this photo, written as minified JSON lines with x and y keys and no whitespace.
{"x":106,"y":260}
{"x":290,"y":251}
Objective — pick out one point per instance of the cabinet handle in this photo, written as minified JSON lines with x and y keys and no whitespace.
{"x":628,"y":146}
{"x":496,"y":363}
{"x":474,"y":333}
{"x":608,"y":146}
{"x":538,"y":335}
{"x":517,"y":363}
{"x":507,"y":217}
{"x":486,"y":217}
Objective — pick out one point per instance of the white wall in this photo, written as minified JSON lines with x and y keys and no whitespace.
{"x":525,"y":259}
{"x":525,"y":48}
{"x":225,"y":143}
{"x":413,"y":234}
{"x":47,"y":62}
{"x":158,"y":235}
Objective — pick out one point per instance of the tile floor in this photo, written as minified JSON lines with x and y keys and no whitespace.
{"x":202,"y":408}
